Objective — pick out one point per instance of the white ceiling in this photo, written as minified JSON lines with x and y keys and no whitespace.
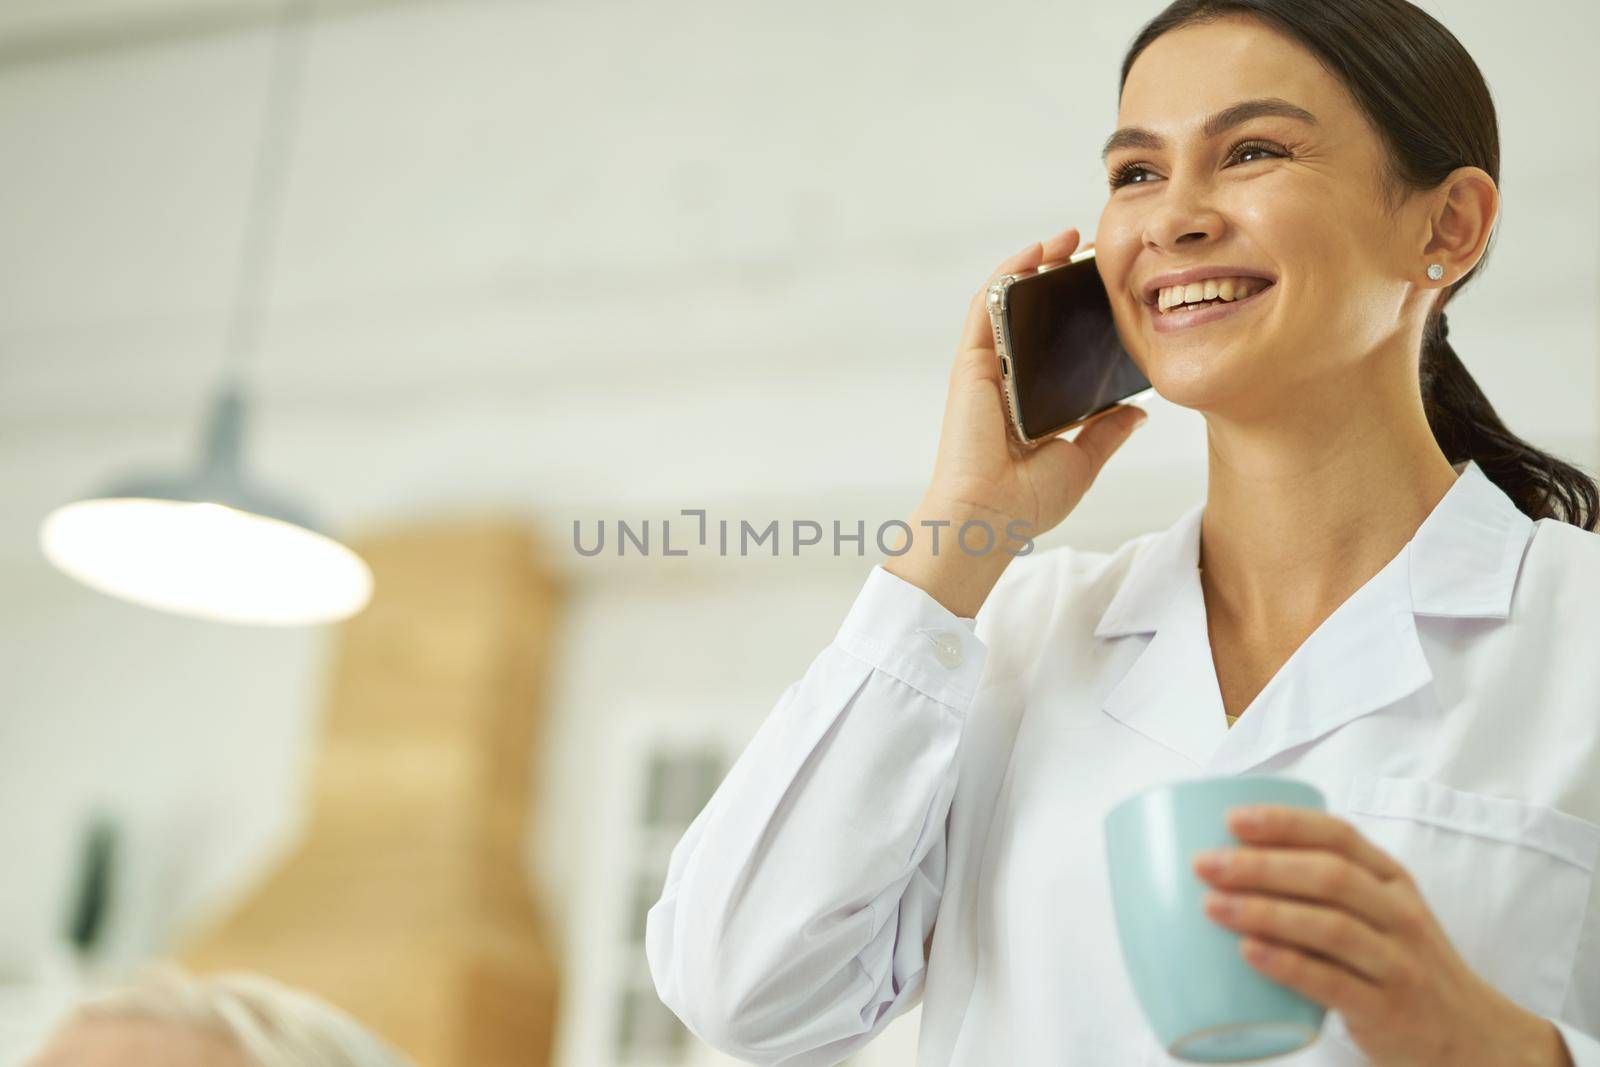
{"x":42,"y":30}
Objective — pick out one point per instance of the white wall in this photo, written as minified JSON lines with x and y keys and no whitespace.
{"x":580,"y":261}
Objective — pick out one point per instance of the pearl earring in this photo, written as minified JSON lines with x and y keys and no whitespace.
{"x":1436,"y":271}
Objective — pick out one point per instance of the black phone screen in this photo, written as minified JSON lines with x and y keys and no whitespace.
{"x":1066,"y":356}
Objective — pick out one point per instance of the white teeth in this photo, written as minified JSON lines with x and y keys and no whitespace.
{"x":1172,"y":296}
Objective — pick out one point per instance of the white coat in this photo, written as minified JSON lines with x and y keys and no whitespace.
{"x":936,"y":775}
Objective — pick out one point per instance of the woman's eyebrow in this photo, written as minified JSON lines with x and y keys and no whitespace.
{"x":1227,"y":118}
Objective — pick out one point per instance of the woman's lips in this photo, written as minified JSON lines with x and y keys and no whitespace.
{"x":1183,"y":318}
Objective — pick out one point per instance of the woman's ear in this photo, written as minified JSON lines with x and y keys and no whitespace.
{"x":1465,"y":208}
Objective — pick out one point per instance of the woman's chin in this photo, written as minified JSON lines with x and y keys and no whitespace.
{"x":1191,"y":380}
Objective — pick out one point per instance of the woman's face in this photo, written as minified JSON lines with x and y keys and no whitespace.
{"x":1288,"y":200}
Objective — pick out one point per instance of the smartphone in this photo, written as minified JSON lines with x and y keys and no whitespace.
{"x":1061,"y":361}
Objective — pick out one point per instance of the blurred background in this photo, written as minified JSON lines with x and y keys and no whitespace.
{"x":537,"y":264}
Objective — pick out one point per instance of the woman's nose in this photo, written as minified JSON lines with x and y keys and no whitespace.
{"x":1181,"y":214}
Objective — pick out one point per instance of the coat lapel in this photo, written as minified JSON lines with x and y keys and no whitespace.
{"x":1462,"y":561}
{"x":1170,"y":694}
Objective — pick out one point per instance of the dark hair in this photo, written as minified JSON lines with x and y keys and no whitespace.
{"x":1428,"y":102}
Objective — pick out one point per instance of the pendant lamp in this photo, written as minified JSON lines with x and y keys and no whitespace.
{"x":209,"y":542}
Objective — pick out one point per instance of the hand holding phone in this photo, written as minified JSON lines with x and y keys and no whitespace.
{"x":981,"y":471}
{"x":1061,"y":358}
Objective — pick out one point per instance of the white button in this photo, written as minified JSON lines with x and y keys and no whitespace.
{"x":947,"y":648}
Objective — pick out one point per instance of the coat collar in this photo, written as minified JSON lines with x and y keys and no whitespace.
{"x":1462,"y":561}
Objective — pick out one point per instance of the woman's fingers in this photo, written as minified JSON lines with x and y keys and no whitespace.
{"x":978,"y":335}
{"x":1310,"y":828}
{"x":1332,"y":933}
{"x":1316,"y":874}
{"x":1077,"y":462}
{"x":1060,"y":248}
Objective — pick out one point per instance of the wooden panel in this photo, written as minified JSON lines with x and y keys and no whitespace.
{"x":406,"y":902}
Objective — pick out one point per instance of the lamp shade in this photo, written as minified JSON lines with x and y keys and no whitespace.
{"x":206,"y":543}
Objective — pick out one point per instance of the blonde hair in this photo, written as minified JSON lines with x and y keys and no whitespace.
{"x":274,"y":1024}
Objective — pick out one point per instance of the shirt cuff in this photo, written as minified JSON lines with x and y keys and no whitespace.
{"x":1583,"y":1048}
{"x":903,"y":631}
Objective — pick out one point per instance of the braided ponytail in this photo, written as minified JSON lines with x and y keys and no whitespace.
{"x":1467,"y":427}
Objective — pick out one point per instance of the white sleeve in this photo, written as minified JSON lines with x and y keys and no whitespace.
{"x":797,"y":906}
{"x":1583,"y":1048}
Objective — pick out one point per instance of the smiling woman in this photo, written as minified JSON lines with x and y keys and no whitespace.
{"x":1408,"y":124}
{"x":1390,"y":593}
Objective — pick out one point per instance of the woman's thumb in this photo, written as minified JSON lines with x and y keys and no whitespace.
{"x":1105,"y":435}
{"x":1085,"y":454}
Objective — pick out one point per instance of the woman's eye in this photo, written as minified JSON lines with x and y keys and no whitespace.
{"x":1124,"y":174}
{"x":1245,"y":147}
{"x":1129,"y":173}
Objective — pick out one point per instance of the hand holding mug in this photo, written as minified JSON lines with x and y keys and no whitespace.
{"x":1330,"y":915}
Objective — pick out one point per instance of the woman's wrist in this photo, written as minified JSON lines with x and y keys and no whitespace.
{"x":1544,"y":1046}
{"x":1519,"y":1037}
{"x":956,"y":554}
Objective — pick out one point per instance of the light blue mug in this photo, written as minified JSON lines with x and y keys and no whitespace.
{"x":1204,"y":1000}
